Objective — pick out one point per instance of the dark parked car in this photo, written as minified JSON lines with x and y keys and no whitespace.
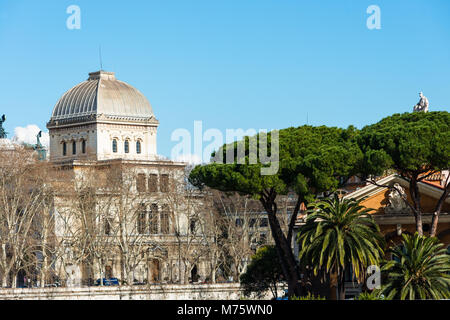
{"x":108,"y":282}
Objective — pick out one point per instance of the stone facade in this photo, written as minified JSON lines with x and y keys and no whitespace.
{"x":228,"y":291}
{"x":104,"y":123}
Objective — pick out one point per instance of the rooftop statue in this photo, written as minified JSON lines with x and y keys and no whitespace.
{"x":42,"y":153}
{"x":396,"y":200}
{"x":2,"y":130}
{"x":422,"y":105}
{"x":38,"y":142}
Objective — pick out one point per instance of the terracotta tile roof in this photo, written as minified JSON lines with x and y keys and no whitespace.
{"x":434,"y":183}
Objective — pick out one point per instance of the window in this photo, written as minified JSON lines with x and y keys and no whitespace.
{"x":83,"y":146}
{"x":140,"y":183}
{"x":154,"y":219}
{"x":107,"y":227}
{"x":252,"y":222}
{"x":153,"y":183}
{"x":127,"y":146}
{"x":264,"y":222}
{"x":64,"y":149}
{"x":165,"y":226}
{"x":263,"y":238}
{"x":74,"y":147}
{"x":141,"y":220}
{"x":138,"y":147}
{"x":114,"y":146}
{"x":193,"y":226}
{"x":155,"y":271}
{"x":239,"y":222}
{"x":164,"y":183}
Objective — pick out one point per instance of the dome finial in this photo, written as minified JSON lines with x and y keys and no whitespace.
{"x":102,"y":75}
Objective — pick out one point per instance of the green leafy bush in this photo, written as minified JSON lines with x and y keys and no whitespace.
{"x":374,"y":295}
{"x":308,"y":297}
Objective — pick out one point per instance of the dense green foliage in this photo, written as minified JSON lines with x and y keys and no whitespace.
{"x":263,"y":273}
{"x":414,"y":145}
{"x":374,"y":295}
{"x":409,"y":142}
{"x":420,"y":270}
{"x":339,"y":233}
{"x":311,"y":160}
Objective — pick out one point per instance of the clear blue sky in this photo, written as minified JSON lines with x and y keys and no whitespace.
{"x":232,"y":64}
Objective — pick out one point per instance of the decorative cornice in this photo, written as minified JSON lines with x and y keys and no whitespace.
{"x":101,"y":118}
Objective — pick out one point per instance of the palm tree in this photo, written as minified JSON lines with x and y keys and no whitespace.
{"x":419,"y":270}
{"x":339,"y":233}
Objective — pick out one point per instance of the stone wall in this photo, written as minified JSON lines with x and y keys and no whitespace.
{"x":228,"y":291}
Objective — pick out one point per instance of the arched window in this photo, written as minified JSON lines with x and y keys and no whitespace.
{"x":165,"y":225}
{"x":153,"y":183}
{"x":141,"y":219}
{"x":127,"y":146}
{"x":164,"y":187}
{"x":141,"y":182}
{"x":193,"y":226}
{"x":154,"y":219}
{"x":64,"y":149}
{"x":138,"y":147}
{"x":107,"y":226}
{"x":83,"y":146}
{"x":74,"y":147}
{"x":114,"y":145}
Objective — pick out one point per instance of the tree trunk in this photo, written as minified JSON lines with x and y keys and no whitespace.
{"x":419,"y":224}
{"x":5,"y":280}
{"x":333,"y":282}
{"x":5,"y":263}
{"x":101,"y":275}
{"x":293,"y":218}
{"x":283,"y":247}
{"x":44,"y":269}
{"x":122,"y":266}
{"x":130,"y":278}
{"x":42,"y":277}
{"x":341,"y":285}
{"x":437,"y":210}
{"x":213,"y":275}
{"x":44,"y":254}
{"x":415,"y":196}
{"x":14,"y":281}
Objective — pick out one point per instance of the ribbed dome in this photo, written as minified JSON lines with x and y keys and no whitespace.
{"x":103,"y":94}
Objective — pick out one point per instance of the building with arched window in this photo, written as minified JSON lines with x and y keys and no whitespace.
{"x":113,"y":119}
{"x":113,"y":126}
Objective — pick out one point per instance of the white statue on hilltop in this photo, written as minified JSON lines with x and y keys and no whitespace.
{"x":422,"y":105}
